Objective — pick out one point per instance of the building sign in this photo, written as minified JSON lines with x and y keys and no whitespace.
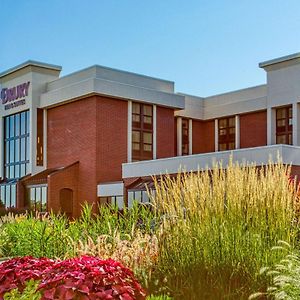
{"x":15,"y":96}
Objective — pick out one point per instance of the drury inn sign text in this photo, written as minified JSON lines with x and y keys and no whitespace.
{"x":10,"y":95}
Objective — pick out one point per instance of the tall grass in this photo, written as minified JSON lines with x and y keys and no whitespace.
{"x":220,"y":227}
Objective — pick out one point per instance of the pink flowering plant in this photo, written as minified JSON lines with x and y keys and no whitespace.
{"x":82,"y":278}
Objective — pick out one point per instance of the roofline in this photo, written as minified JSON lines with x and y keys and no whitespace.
{"x":30,"y":63}
{"x":279,"y":60}
{"x":115,"y":70}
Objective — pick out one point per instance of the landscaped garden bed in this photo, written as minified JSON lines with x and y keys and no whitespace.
{"x":207,"y":236}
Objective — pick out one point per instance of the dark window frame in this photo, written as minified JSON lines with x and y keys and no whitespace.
{"x":226,"y":141}
{"x":285,"y":131}
{"x":140,"y":128}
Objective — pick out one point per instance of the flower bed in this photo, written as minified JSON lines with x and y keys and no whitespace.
{"x":83,"y":278}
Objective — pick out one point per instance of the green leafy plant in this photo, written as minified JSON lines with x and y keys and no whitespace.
{"x":285,"y":275}
{"x":29,"y":293}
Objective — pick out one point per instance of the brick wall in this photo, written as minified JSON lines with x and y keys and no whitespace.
{"x":253,"y":129}
{"x":203,"y":136}
{"x":71,"y":137}
{"x":111,"y":138}
{"x":66,"y":178}
{"x":165,"y":124}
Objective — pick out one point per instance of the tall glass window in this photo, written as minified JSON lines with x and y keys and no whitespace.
{"x":142,"y":132}
{"x":226,"y":131}
{"x":185,"y":136}
{"x":16,"y":145}
{"x":284,"y":125}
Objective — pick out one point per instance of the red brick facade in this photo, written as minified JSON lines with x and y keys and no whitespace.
{"x":165,"y":124}
{"x":253,"y":129}
{"x":203,"y":136}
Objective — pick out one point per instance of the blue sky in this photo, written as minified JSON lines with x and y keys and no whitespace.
{"x":206,"y":47}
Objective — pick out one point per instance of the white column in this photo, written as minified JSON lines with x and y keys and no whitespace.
{"x":179,"y":136}
{"x":190,"y":136}
{"x":129,"y":132}
{"x":237,"y":132}
{"x":296,"y":124}
{"x":154,"y":133}
{"x":271,"y":126}
{"x":216,"y":135}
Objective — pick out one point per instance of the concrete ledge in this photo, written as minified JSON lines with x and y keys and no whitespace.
{"x":110,"y":189}
{"x":258,"y":155}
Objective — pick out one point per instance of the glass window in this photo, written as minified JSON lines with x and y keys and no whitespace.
{"x":185,"y":137}
{"x":16,"y":145}
{"x":37,"y":198}
{"x":226,"y":133}
{"x":142,"y":131}
{"x":284,"y":125}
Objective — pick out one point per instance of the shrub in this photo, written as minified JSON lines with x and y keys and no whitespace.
{"x":83,"y":278}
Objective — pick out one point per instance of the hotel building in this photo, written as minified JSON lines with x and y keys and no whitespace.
{"x":99,"y":134}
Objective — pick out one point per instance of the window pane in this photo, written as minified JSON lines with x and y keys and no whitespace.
{"x":7,"y":196}
{"x":136,"y":108}
{"x":136,"y":118}
{"x":147,"y":137}
{"x":120,"y":202}
{"x":231,"y":122}
{"x":222,"y":123}
{"x":290,"y":112}
{"x":13,"y":195}
{"x":23,"y":125}
{"x":148,"y":120}
{"x":147,"y":110}
{"x":17,"y":171}
{"x":17,"y":150}
{"x":231,"y":146}
{"x":147,"y":147}
{"x":222,"y":147}
{"x":232,"y":131}
{"x":32,"y":198}
{"x":12,"y":151}
{"x":27,"y":148}
{"x":136,"y":137}
{"x":136,"y":146}
{"x":27,"y":121}
{"x":22,"y":173}
{"x":281,"y":113}
{"x":2,"y":195}
{"x":12,"y":126}
{"x":281,"y":139}
{"x":17,"y":124}
{"x":7,"y":152}
{"x":281,"y":123}
{"x":12,"y":172}
{"x":23,"y":149}
{"x":7,"y":127}
{"x":222,"y":132}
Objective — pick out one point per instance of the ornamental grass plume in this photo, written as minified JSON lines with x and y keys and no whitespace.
{"x":137,"y":251}
{"x":220,"y":226}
